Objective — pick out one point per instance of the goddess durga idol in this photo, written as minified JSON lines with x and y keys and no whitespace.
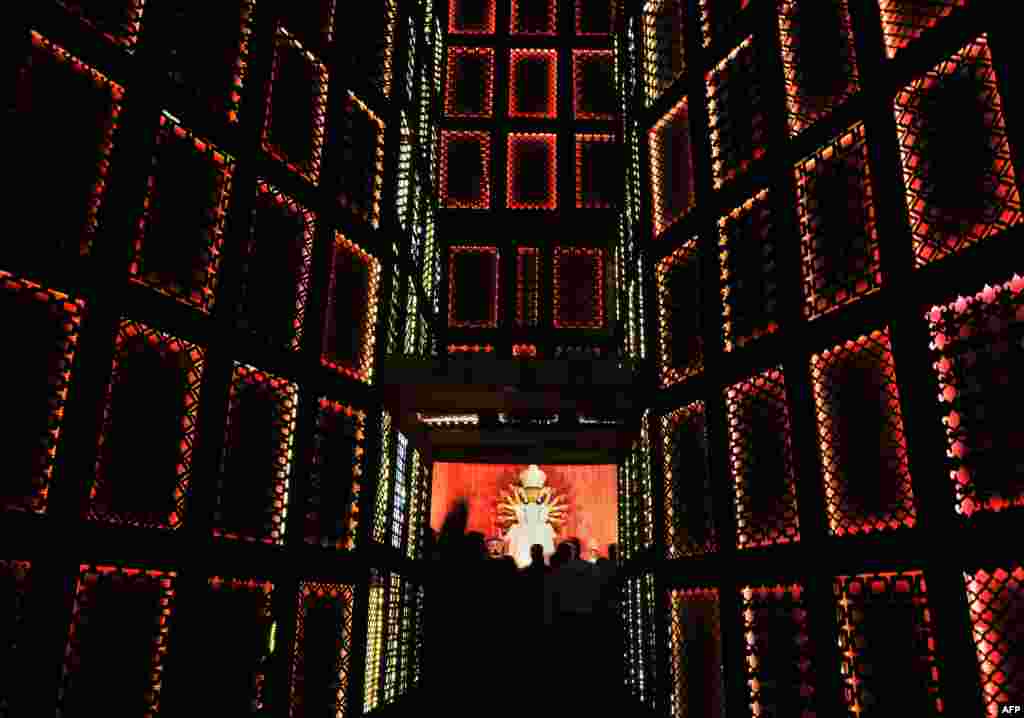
{"x":533,"y":511}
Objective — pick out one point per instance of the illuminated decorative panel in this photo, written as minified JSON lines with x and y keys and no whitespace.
{"x":63,"y":183}
{"x":578,"y":277}
{"x":149,"y":426}
{"x":818,"y":58}
{"x":860,"y":437}
{"x":957,"y":169}
{"x":671,"y":156}
{"x":527,"y":287}
{"x":470,"y":349}
{"x":394,"y":335}
{"x":473,"y":287}
{"x":718,"y":19}
{"x":177,"y":248}
{"x":118,"y":22}
{"x":405,"y":640}
{"x":838,"y":231}
{"x":374,"y":645}
{"x":595,"y":18}
{"x":321,"y":659}
{"x":524,"y":350}
{"x":887,"y":645}
{"x":644,"y":481}
{"x":420,"y":636}
{"x":367,"y":47}
{"x":350,"y":329}
{"x":996,"y":600}
{"x":252,"y":486}
{"x":276,"y":266}
{"x":697,"y":685}
{"x":663,"y":54}
{"x":113,"y":660}
{"x":680,"y":329}
{"x":533,"y":84}
{"x":391,"y":634}
{"x":597,"y":175}
{"x":45,"y":325}
{"x":470,"y":89}
{"x":400,"y":499}
{"x":903,"y":21}
{"x":737,"y":118}
{"x":296,"y":109}
{"x":593,"y":81}
{"x":534,"y":17}
{"x":749,"y":266}
{"x":417,"y":498}
{"x":976,"y":342}
{"x":761,"y":459}
{"x":383,"y":488}
{"x":690,"y":528}
{"x":471,"y":17}
{"x":362,"y":179}
{"x":465,"y":170}
{"x":532,"y":171}
{"x":336,"y":476}
{"x":779,"y":652}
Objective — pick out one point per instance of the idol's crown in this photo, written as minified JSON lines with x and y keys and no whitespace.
{"x":532,"y":477}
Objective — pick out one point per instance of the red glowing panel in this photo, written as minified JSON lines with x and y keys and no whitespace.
{"x":737,"y":120}
{"x":860,"y":437}
{"x":593,"y":78}
{"x":596,"y":176}
{"x":256,"y":464}
{"x":118,"y":22}
{"x":533,"y":84}
{"x":996,"y":601}
{"x":959,"y":178}
{"x":336,"y":476}
{"x":818,"y":58}
{"x":761,"y":459}
{"x":470,"y":348}
{"x":471,"y":17}
{"x":43,"y":325}
{"x":663,"y":54}
{"x":524,"y":350}
{"x":532,"y":171}
{"x":534,"y":17}
{"x":296,"y":109}
{"x":465,"y":169}
{"x":578,"y":277}
{"x":470,"y":85}
{"x":595,"y":18}
{"x":120,"y":620}
{"x":527,"y":287}
{"x":179,"y":237}
{"x":362,"y":182}
{"x":322,"y":649}
{"x":689,"y":519}
{"x":672,"y":179}
{"x":680,"y":332}
{"x":903,"y":21}
{"x":149,"y":425}
{"x":718,"y":18}
{"x":886,"y":644}
{"x":352,"y":300}
{"x":695,"y":653}
{"x":978,"y":360}
{"x":473,"y":287}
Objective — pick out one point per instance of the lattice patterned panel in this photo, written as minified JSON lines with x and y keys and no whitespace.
{"x":697,"y":686}
{"x":749,"y":267}
{"x":177,"y":247}
{"x":353,"y":301}
{"x":996,"y":601}
{"x":113,"y":660}
{"x":320,"y":669}
{"x":578,"y":276}
{"x":886,"y":645}
{"x":625,"y":515}
{"x":593,"y":81}
{"x":818,"y":58}
{"x":527,"y":287}
{"x":362,"y":180}
{"x":761,"y":458}
{"x":473,"y":287}
{"x":738,"y":121}
{"x":470,"y":85}
{"x":595,"y":18}
{"x":779,"y":651}
{"x":978,"y":344}
{"x":465,"y":170}
{"x":118,"y":22}
{"x":45,"y":324}
{"x":383,"y":488}
{"x":690,"y":528}
{"x":62,"y":176}
{"x":838,"y":232}
{"x":374,"y":643}
{"x":406,"y":641}
{"x":400,"y":499}
{"x":533,"y":84}
{"x":392,"y":638}
{"x":904,"y":21}
{"x":644,"y":484}
{"x":296,"y":109}
{"x":534,"y":17}
{"x":149,"y":424}
{"x":367,"y":47}
{"x":671,"y":156}
{"x":664,"y":59}
{"x":336,"y":476}
{"x":960,"y":182}
{"x":680,"y":312}
{"x":598,"y":157}
{"x":419,"y":637}
{"x":276,"y":266}
{"x":532,"y":168}
{"x":718,"y":19}
{"x":252,"y":487}
{"x":417,"y":499}
{"x":472,"y":17}
{"x":860,"y":437}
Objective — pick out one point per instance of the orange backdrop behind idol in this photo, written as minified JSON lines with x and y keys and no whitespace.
{"x":588,"y":491}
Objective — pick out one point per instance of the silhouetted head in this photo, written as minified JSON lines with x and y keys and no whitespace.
{"x":613,"y":552}
{"x":537,"y":555}
{"x":577,"y":547}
